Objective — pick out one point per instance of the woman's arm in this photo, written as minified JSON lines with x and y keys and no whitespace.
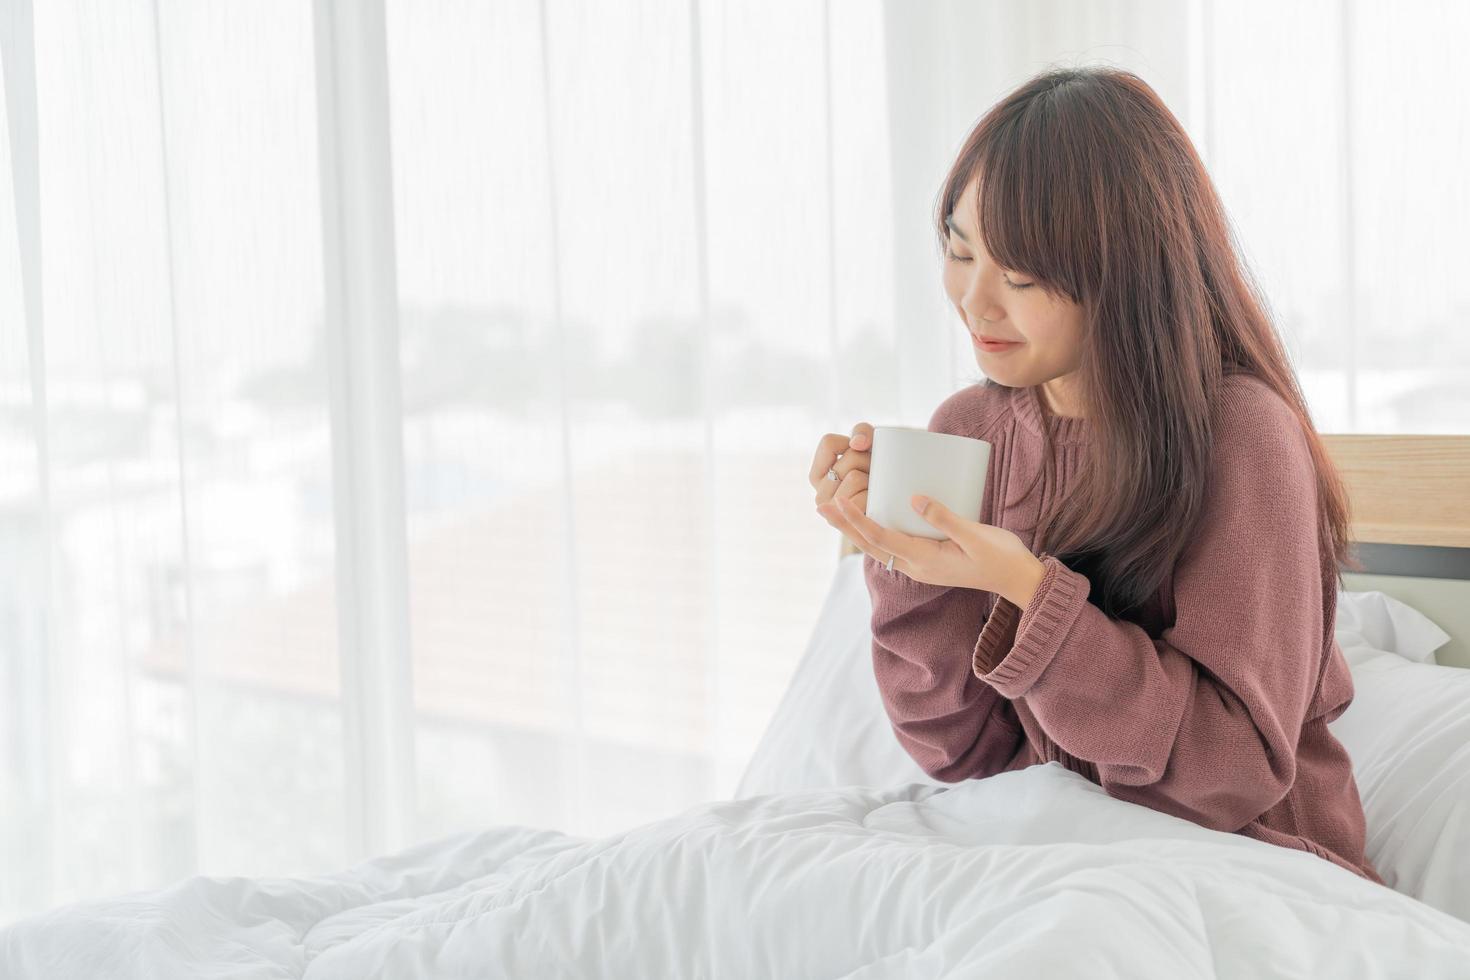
{"x":953,"y":724}
{"x":1203,"y":722}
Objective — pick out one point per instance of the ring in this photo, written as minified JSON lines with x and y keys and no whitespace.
{"x":832,"y":475}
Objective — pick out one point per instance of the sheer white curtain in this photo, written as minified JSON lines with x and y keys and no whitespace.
{"x":405,"y":407}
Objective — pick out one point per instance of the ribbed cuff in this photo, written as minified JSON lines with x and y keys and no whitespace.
{"x":1038,"y":631}
{"x":996,"y":636}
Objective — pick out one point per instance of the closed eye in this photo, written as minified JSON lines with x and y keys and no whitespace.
{"x":949,"y":254}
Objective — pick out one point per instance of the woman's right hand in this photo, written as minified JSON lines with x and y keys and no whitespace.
{"x":849,"y":456}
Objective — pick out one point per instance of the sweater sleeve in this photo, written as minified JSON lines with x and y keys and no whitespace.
{"x":952,"y":723}
{"x":1203,"y":722}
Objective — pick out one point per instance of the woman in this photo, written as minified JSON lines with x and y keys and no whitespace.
{"x":1149,"y":593}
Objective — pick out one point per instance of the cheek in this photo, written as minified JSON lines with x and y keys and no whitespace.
{"x":1055,"y":335}
{"x":1051,"y":320}
{"x":1067,"y":327}
{"x":954,"y":282}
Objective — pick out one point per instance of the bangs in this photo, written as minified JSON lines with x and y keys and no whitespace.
{"x":1030,"y":200}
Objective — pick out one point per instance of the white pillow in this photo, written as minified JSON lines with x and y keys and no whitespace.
{"x":1382,"y":623}
{"x":1408,"y":734}
{"x":830,"y":729}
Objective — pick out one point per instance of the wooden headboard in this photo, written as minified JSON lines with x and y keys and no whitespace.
{"x":1409,"y":497}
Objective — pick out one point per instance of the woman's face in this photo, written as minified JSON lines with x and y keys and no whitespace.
{"x":1005,"y":305}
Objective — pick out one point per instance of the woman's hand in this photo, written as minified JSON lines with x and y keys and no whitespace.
{"x":849,"y":457}
{"x":973,"y":555}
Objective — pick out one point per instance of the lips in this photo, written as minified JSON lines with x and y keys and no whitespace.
{"x":992,"y":346}
{"x":996,"y":340}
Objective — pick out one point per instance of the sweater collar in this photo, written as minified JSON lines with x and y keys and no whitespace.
{"x":1026,"y":403}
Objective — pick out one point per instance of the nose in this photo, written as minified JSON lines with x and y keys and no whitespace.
{"x":980,"y":297}
{"x":978,"y":307}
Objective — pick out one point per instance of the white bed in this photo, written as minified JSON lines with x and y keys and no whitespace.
{"x":839,"y":858}
{"x":1026,"y":874}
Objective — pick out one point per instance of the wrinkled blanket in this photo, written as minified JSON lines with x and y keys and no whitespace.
{"x":1032,"y":873}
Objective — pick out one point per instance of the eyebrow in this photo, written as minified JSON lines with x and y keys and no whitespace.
{"x":949,"y":220}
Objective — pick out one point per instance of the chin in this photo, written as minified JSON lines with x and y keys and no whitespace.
{"x":999,"y":372}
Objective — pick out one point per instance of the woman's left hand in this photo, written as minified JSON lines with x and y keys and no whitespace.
{"x":973,"y":555}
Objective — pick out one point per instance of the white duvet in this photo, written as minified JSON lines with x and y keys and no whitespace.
{"x":1033,"y":873}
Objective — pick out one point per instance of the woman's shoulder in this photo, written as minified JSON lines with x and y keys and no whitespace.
{"x":973,"y":410}
{"x":1256,"y":430}
{"x":1250,"y":409}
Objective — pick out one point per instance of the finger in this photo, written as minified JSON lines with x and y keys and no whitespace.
{"x":854,"y":483}
{"x":854,"y":459}
{"x":827,"y":490}
{"x":829,"y":447}
{"x":848,"y":460}
{"x":851,"y":481}
{"x":882,"y":557}
{"x":834,"y":517}
{"x":850,"y":487}
{"x":862,"y":436}
{"x":937,"y":515}
{"x":879,"y":536}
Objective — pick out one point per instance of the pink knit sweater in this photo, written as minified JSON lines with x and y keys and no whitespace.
{"x":1211,"y":702}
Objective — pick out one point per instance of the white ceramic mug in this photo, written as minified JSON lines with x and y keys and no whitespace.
{"x":905,"y":461}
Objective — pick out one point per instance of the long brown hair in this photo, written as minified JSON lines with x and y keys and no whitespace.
{"x":1090,"y":186}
